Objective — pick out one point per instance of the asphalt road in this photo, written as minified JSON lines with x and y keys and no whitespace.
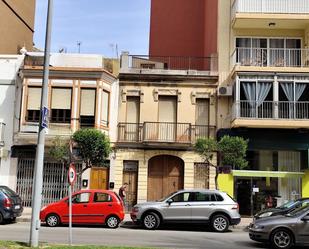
{"x":167,"y":237}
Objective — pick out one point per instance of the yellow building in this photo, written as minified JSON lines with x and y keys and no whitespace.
{"x":264,"y":71}
{"x":16,"y":25}
{"x":165,"y":104}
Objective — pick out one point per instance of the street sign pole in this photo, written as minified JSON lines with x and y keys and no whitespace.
{"x":71,"y":179}
{"x":70,"y":214}
{"x":39,"y":158}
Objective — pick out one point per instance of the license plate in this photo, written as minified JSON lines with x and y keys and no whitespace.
{"x":17,"y":207}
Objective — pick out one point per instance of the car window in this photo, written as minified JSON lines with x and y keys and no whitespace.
{"x":298,"y":211}
{"x":81,"y":198}
{"x":202,"y":196}
{"x":7,"y":191}
{"x":219,"y":197}
{"x":102,"y":197}
{"x":182,"y":197}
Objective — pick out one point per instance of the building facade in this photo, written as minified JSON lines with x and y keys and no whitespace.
{"x":161,"y":113}
{"x":17,"y":25}
{"x":264,"y":79}
{"x":79,"y":96}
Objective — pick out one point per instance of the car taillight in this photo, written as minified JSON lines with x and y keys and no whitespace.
{"x":236,"y":206}
{"x":7,"y":203}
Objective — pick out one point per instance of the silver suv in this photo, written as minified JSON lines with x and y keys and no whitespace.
{"x":189,"y":206}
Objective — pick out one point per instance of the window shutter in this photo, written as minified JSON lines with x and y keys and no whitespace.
{"x":167,"y":109}
{"x":133,"y":104}
{"x":105,"y":106}
{"x":202,"y":112}
{"x":61,"y":98}
{"x":87,"y":105}
{"x":34,"y":98}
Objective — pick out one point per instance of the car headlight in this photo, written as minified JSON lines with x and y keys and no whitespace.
{"x":256,"y":226}
{"x":267,"y":214}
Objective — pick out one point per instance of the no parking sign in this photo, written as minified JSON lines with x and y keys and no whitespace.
{"x":72,"y":174}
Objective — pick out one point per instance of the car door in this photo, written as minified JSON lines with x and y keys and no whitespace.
{"x":303,"y":229}
{"x":178,"y":208}
{"x":203,"y":205}
{"x":81,"y":210}
{"x":101,"y":206}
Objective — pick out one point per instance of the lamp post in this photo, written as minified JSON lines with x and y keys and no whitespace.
{"x":43,"y":124}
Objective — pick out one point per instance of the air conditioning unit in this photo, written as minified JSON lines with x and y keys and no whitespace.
{"x":225,"y":91}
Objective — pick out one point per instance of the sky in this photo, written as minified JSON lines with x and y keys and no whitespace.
{"x":100,"y":26}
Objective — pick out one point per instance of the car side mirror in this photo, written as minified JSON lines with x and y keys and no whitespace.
{"x":169,"y":201}
{"x":305,"y":218}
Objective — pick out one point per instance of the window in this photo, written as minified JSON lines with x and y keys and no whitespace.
{"x":87,"y":107}
{"x":61,"y":105}
{"x":102,"y":197}
{"x":33,"y":104}
{"x":105,"y":108}
{"x":81,"y":198}
{"x":182,"y":197}
{"x":207,"y":197}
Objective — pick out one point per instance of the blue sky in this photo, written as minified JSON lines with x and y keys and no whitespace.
{"x":98,"y":24}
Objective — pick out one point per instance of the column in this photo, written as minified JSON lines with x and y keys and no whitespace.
{"x":276,"y":98}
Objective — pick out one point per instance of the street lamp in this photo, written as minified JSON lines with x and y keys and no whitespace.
{"x":43,"y":124}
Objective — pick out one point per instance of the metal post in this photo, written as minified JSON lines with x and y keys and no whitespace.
{"x":70,"y":214}
{"x":39,"y":158}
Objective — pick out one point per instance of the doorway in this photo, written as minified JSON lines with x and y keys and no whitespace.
{"x":165,"y":175}
{"x":130,"y":176}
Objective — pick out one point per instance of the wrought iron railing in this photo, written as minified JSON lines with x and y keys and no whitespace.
{"x":173,"y":62}
{"x":271,"y":109}
{"x":271,"y":57}
{"x":163,"y":132}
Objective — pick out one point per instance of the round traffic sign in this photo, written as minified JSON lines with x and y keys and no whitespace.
{"x":72,"y":174}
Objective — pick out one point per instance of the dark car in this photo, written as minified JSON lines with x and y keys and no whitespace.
{"x":283,"y":231}
{"x":10,"y":205}
{"x":283,"y":209}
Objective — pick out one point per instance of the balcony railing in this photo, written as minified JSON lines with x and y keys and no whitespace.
{"x":163,"y":132}
{"x":272,"y":110}
{"x":270,"y":6}
{"x":173,"y":62}
{"x":271,"y":57}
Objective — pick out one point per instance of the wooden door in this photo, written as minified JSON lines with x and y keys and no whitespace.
{"x":165,"y":175}
{"x":99,"y":178}
{"x":130,"y":177}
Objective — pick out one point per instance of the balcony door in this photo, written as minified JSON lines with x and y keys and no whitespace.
{"x":166,"y":127}
{"x":132,"y":119}
{"x":201,"y":118}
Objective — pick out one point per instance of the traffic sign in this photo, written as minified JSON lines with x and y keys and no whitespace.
{"x":72,"y":174}
{"x":45,"y":114}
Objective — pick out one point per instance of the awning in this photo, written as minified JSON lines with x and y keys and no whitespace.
{"x":258,"y":173}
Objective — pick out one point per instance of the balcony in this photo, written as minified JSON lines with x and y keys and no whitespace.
{"x":158,"y":133}
{"x":274,"y":114}
{"x":271,"y":57}
{"x":280,"y":11}
{"x":163,"y":64}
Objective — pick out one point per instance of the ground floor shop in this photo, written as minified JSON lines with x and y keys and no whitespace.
{"x":277,"y":170}
{"x":153,"y":174}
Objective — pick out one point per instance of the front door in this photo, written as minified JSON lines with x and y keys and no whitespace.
{"x":165,"y":176}
{"x":130,"y":172}
{"x":99,"y":178}
{"x":81,"y":212}
{"x":179,"y":209}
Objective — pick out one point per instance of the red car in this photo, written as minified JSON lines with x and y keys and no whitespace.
{"x":88,"y":207}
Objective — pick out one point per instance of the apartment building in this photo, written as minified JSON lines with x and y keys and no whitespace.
{"x":163,"y":108}
{"x":264,"y":97}
{"x":17,"y":25}
{"x":79,"y":96}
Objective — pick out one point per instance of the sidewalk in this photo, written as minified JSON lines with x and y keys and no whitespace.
{"x":26,"y":217}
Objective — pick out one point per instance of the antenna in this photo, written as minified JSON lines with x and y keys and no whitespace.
{"x":79,"y":43}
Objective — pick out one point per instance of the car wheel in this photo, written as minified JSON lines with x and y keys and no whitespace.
{"x":151,"y":221}
{"x":52,"y":220}
{"x":112,"y":222}
{"x":220,"y":223}
{"x":1,"y":219}
{"x":281,"y":239}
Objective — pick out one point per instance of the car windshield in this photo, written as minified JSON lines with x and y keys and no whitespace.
{"x":7,"y":191}
{"x":288,"y":204}
{"x":166,"y":197}
{"x":298,"y":211}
